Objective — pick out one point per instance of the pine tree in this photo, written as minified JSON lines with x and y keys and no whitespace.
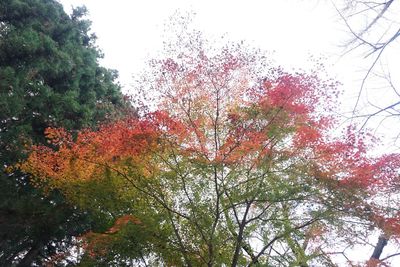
{"x":49,"y":76}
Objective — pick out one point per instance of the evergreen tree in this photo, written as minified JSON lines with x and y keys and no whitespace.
{"x":49,"y":76}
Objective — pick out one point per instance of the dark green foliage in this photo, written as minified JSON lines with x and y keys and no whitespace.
{"x":49,"y":76}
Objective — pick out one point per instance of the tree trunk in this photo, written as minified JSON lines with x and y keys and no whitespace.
{"x":382,"y":242}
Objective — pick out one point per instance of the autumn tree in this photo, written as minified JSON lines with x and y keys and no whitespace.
{"x":373,"y":29}
{"x":49,"y":76}
{"x":233,"y":164}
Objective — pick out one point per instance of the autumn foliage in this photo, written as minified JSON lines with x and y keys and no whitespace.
{"x":236,"y":164}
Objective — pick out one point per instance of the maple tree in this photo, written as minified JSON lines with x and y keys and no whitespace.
{"x":233,"y":164}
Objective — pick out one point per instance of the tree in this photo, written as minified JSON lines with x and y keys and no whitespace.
{"x":49,"y":76}
{"x":374,"y":29}
{"x":233,"y":164}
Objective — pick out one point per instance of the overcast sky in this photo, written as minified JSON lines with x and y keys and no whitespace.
{"x":129,"y":33}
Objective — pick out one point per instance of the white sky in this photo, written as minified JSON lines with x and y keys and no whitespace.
{"x":129,"y":33}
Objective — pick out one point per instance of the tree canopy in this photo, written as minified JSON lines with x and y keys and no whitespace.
{"x":233,"y":164}
{"x":49,"y":77}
